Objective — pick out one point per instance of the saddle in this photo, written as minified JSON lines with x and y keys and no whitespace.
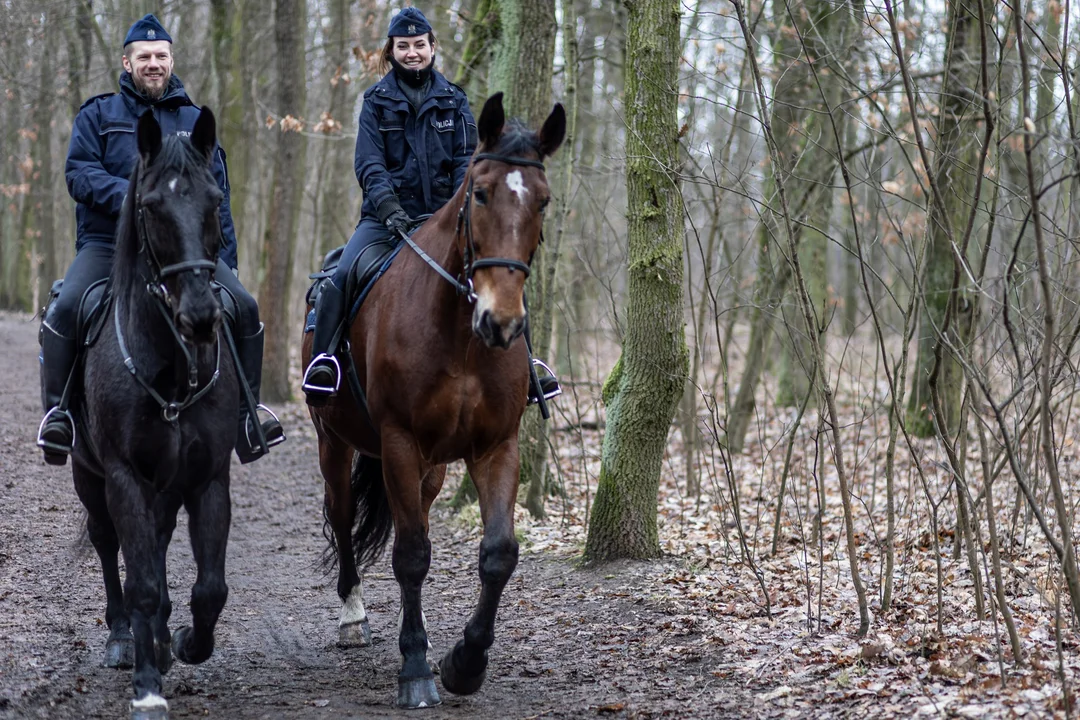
{"x":90,"y":316}
{"x":369,"y":266}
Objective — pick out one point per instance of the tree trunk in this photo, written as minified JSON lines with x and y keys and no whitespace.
{"x":644,"y":387}
{"x":43,"y":193}
{"x":335,"y":224}
{"x":285,"y":198}
{"x":956,"y":153}
{"x":828,"y":35}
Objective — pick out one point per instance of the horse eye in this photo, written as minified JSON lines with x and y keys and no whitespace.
{"x":481,"y":196}
{"x":544,"y":204}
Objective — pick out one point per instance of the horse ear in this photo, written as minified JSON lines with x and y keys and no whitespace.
{"x":204,"y":135}
{"x":553,"y":131}
{"x":149,"y":136}
{"x":492,"y":119}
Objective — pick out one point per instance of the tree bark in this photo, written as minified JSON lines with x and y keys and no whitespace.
{"x":644,"y":387}
{"x":956,"y":153}
{"x":285,"y":199}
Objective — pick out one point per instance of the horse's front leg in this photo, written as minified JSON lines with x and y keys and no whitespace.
{"x":165,"y":508}
{"x":496,"y":477}
{"x":209,"y":512}
{"x":403,"y":473}
{"x":133,"y":519}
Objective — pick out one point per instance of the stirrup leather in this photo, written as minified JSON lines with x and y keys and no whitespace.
{"x":537,"y":362}
{"x":319,"y":389}
{"x":270,"y":442}
{"x":53,"y":447}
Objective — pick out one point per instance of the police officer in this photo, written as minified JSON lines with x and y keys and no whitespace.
{"x":100,"y":159}
{"x":413,"y":146}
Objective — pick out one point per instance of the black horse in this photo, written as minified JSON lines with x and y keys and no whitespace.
{"x":159,"y":417}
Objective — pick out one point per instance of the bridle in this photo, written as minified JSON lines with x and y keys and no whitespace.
{"x":464,"y":282}
{"x":155,"y":286}
{"x":159,"y":272}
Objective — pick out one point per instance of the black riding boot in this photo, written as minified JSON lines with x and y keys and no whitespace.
{"x":248,"y":447}
{"x":56,"y":434}
{"x":323,"y":376}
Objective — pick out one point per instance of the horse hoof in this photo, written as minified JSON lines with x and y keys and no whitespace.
{"x":163,"y":654}
{"x":417,"y":693}
{"x":120,"y":654}
{"x":456,"y":682}
{"x":150,"y":707}
{"x":357,"y":634}
{"x":181,"y":639}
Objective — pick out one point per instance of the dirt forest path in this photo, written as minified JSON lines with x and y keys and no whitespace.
{"x":569,"y":643}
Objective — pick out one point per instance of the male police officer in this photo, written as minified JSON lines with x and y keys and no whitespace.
{"x":100,"y":159}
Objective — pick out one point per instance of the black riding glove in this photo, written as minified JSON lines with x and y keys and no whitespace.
{"x":398,"y":223}
{"x":393,"y":217}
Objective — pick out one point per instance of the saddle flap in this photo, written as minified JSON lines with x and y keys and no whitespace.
{"x":92,"y":313}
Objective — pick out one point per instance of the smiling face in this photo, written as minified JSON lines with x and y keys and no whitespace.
{"x":150,"y":63}
{"x":413,"y":53}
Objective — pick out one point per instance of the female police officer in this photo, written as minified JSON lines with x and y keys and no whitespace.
{"x":413,"y":146}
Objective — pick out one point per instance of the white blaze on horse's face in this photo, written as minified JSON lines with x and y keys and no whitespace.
{"x":517,"y":186}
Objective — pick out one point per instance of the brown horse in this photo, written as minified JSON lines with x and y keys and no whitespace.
{"x":437,"y":350}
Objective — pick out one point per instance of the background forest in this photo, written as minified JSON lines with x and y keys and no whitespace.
{"x":875,"y":431}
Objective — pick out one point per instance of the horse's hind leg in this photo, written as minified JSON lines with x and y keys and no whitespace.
{"x":335,"y":459}
{"x":463,"y":669}
{"x":120,"y":647}
{"x":209,"y":512}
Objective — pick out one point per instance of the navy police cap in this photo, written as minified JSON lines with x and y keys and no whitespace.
{"x":410,"y":22}
{"x":148,"y":28}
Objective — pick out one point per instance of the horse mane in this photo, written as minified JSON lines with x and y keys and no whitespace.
{"x":516,"y":140}
{"x":176,"y":154}
{"x":127,"y":236}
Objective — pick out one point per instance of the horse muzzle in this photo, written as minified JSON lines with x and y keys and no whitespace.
{"x":198,"y":328}
{"x":495,"y":333}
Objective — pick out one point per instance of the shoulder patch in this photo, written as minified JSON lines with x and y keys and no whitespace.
{"x":96,"y":98}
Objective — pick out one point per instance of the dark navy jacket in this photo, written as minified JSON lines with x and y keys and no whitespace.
{"x":420,"y":157}
{"x":103,"y":151}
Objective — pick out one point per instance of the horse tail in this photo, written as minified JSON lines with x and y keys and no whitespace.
{"x":372,"y":511}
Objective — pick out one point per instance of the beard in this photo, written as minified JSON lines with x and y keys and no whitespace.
{"x":152,"y":92}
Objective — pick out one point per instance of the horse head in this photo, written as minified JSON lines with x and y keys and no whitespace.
{"x":504,"y":216}
{"x":177,"y":202}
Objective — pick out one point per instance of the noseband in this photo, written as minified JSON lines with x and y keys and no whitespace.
{"x":464,"y":282}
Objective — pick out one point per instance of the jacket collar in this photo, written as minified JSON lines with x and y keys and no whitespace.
{"x":387,"y":88}
{"x":175,"y":96}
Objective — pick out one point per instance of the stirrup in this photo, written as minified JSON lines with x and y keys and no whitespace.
{"x":537,"y":362}
{"x":320,"y":389}
{"x":270,"y":442}
{"x":51,"y":447}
